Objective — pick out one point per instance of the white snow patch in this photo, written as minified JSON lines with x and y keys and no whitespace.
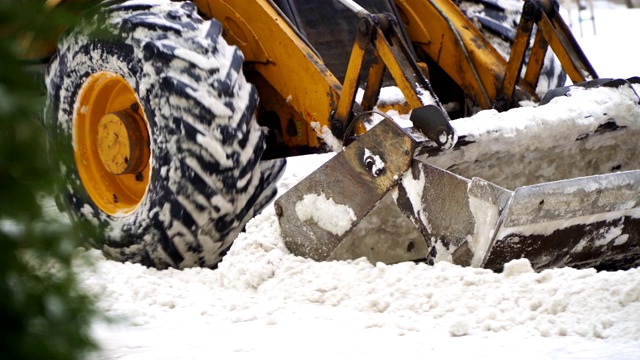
{"x":89,"y":214}
{"x":612,"y":234}
{"x":621,"y":239}
{"x":425,"y":96}
{"x":199,"y":60}
{"x":485,"y":217}
{"x":390,"y":95}
{"x":442,"y":252}
{"x":517,"y":267}
{"x":114,"y":230}
{"x":216,"y":149}
{"x":333,"y":217}
{"x":414,"y":188}
{"x":211,"y":101}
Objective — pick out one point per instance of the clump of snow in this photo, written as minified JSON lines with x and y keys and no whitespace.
{"x":390,"y":95}
{"x":459,"y":328}
{"x":325,"y":134}
{"x":517,"y":267}
{"x":333,"y":217}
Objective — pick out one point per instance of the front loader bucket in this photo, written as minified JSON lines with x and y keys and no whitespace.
{"x":585,"y":222}
{"x":558,"y":185}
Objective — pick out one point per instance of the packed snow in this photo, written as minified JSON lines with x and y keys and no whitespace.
{"x":333,"y":217}
{"x":263,"y":302}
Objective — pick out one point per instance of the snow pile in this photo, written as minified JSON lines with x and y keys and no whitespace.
{"x":442,"y":297}
{"x":260,"y":282}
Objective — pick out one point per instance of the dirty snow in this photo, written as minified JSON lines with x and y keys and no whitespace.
{"x":263,"y":302}
{"x":327,"y":136}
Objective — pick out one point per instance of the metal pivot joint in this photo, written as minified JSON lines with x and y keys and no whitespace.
{"x":123,"y":142}
{"x":380,"y":34}
{"x":552,"y":32}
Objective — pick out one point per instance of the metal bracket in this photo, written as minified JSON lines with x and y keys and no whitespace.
{"x":381,"y":34}
{"x":552,"y":31}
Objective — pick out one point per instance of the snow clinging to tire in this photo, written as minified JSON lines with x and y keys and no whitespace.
{"x":205,"y":178}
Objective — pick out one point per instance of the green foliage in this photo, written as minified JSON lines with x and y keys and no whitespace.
{"x":44,"y":314}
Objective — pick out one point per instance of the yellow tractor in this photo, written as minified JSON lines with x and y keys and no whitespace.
{"x":171,"y":122}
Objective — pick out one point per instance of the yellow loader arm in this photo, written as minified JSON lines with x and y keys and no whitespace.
{"x":316,"y":96}
{"x":295,"y":84}
{"x":275,"y":55}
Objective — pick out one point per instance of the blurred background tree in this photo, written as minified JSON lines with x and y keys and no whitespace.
{"x":43,"y":312}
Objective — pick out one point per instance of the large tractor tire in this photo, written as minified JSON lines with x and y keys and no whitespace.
{"x":151,"y":122}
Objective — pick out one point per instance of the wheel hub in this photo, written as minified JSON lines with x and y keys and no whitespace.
{"x":111,"y":143}
{"x":123,"y":142}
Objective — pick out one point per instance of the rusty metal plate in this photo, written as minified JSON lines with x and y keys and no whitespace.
{"x":456,"y":216}
{"x":323,"y":208}
{"x":592,"y":221}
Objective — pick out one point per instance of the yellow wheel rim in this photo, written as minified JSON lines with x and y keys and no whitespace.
{"x":111,"y":143}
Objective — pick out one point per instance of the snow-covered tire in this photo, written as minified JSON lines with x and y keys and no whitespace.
{"x":490,"y":15}
{"x":205,"y":178}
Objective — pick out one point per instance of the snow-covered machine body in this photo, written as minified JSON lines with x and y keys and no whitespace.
{"x":170,"y":131}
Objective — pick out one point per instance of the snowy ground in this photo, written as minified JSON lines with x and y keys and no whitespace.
{"x":264,"y":302}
